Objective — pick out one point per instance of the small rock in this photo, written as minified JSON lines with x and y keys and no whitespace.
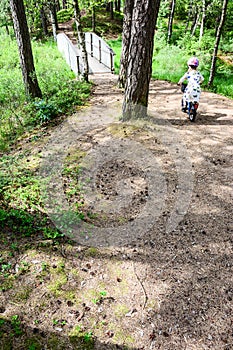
{"x":58,"y":329}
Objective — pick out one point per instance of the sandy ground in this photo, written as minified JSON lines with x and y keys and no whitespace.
{"x":156,"y":272}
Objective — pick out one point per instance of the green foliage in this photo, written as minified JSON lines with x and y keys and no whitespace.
{"x":17,"y":221}
{"x":170,"y":61}
{"x":84,"y":339}
{"x":65,"y":15}
{"x":16,"y":325}
{"x":116,"y":45}
{"x":61,"y":91}
{"x":52,"y":233}
{"x":105,"y":26}
{"x":5,"y":18}
{"x":45,"y":111}
{"x":19,"y":187}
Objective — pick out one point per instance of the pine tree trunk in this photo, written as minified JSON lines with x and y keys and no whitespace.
{"x":64,"y":4}
{"x":195,"y":23}
{"x":111,"y":10}
{"x":25,"y":50}
{"x":93,"y":19}
{"x":170,"y":20}
{"x":44,"y":21}
{"x":81,"y":40}
{"x":189,"y":15}
{"x":7,"y":29}
{"x":142,"y":17}
{"x":217,"y":41}
{"x":58,"y":5}
{"x":126,"y":39}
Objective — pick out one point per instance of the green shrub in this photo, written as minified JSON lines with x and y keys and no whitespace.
{"x":45,"y":111}
{"x":65,"y":15}
{"x":61,"y":91}
{"x":17,"y":221}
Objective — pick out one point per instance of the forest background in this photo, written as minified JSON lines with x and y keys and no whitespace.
{"x":183,"y":29}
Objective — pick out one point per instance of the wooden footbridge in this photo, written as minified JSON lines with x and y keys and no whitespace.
{"x":100,"y":55}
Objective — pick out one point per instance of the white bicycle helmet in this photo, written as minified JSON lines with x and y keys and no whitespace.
{"x":193,"y":61}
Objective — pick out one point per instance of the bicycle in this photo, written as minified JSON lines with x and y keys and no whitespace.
{"x":191,"y":107}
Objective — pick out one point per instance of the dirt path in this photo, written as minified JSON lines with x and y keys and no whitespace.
{"x":153,"y":267}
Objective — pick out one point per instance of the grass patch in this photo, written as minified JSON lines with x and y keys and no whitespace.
{"x":62,"y":93}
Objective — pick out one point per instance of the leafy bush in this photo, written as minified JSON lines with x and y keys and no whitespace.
{"x":17,"y":221}
{"x":61,"y":92}
{"x":65,"y":15}
{"x":45,"y":111}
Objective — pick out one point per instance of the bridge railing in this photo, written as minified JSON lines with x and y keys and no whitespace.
{"x":96,"y":47}
{"x":100,"y":50}
{"x":70,"y":52}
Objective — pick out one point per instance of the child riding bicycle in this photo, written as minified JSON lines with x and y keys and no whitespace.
{"x":193,"y":90}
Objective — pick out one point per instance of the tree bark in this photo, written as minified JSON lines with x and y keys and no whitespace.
{"x":93,"y":19}
{"x":189,"y":15}
{"x":202,"y":20}
{"x":195,"y":22}
{"x":53,"y":15}
{"x":58,"y":5}
{"x":142,"y":16}
{"x":44,"y":20}
{"x":25,"y":50}
{"x":111,"y":10}
{"x":64,"y":4}
{"x":217,"y":41}
{"x":117,"y":7}
{"x":81,"y":40}
{"x":170,"y":21}
{"x":126,"y":39}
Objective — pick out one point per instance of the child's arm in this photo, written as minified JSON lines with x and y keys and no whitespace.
{"x":201,"y":78}
{"x":182,"y":79}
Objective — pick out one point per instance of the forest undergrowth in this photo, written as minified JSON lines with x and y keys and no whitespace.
{"x":57,"y":293}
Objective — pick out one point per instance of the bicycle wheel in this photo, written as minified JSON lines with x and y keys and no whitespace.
{"x":192,"y":115}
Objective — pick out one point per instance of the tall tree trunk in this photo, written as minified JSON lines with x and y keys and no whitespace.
{"x":81,"y":40}
{"x":202,"y":20}
{"x":64,"y":4}
{"x":111,"y":10}
{"x":189,"y":15}
{"x":7,"y":29}
{"x":139,"y":62}
{"x":93,"y":19}
{"x":58,"y":5}
{"x":170,"y":21}
{"x":126,"y":39}
{"x":53,"y":15}
{"x":25,"y":50}
{"x":195,"y":22}
{"x":217,"y":41}
{"x":44,"y":20}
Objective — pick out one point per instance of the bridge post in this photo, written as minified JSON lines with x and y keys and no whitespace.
{"x":78,"y":65}
{"x":100,"y":51}
{"x":91,"y":36}
{"x":111,"y":62}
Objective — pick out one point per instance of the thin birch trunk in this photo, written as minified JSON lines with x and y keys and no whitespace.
{"x":170,"y":21}
{"x":217,"y":41}
{"x":81,"y":40}
{"x":202,"y":20}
